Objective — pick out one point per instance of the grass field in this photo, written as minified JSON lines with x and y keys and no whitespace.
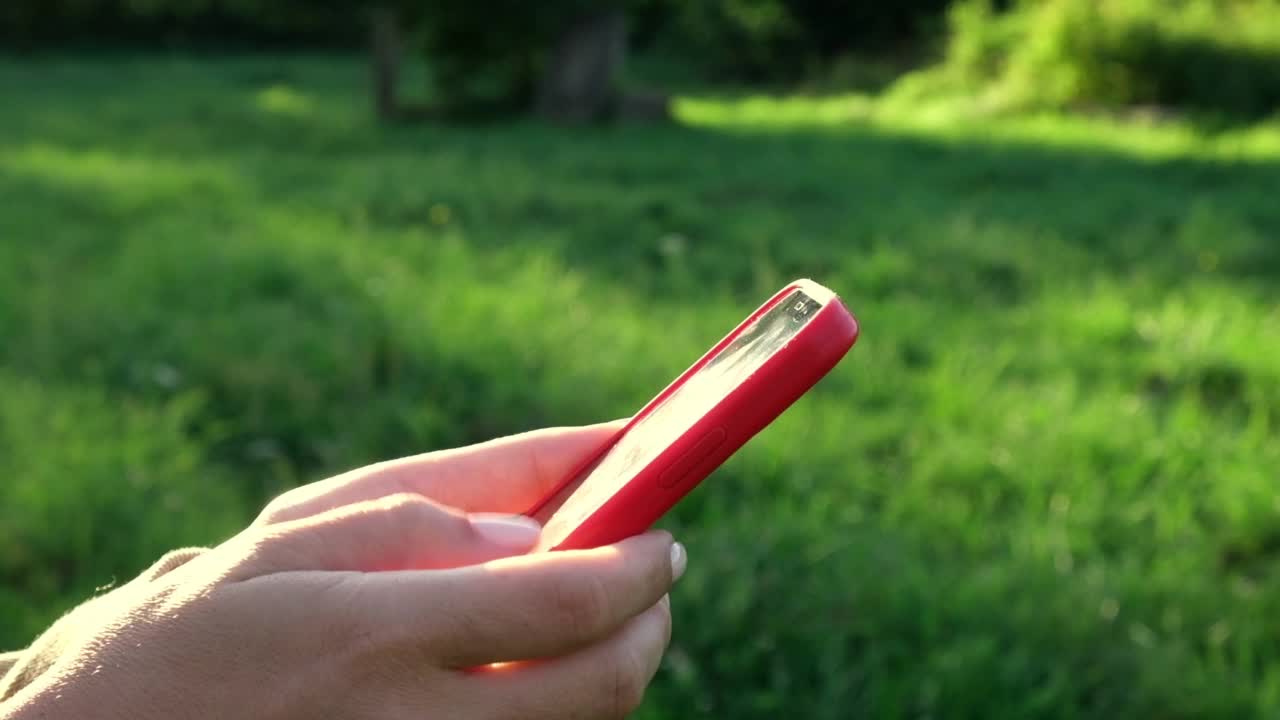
{"x":1043,"y":485}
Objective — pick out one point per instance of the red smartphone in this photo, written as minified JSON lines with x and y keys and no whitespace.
{"x":737,"y":388}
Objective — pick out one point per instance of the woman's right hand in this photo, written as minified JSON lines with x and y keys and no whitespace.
{"x":286,"y":621}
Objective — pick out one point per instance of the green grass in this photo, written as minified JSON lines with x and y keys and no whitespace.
{"x":1043,"y":485}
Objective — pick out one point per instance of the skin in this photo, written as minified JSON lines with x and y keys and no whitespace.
{"x":393,"y":591}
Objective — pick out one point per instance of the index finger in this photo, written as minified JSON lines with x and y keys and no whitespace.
{"x":506,"y":475}
{"x":524,"y":608}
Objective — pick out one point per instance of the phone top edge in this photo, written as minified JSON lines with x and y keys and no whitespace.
{"x":834,"y":315}
{"x":818,"y":292}
{"x":750,"y":407}
{"x":829,"y":299}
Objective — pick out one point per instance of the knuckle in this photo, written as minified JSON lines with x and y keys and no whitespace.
{"x":261,"y":546}
{"x":407,"y":504}
{"x":625,"y":685}
{"x":278,"y":510}
{"x":659,"y":573}
{"x":408,"y":512}
{"x":281,"y":549}
{"x":339,"y":602}
{"x":582,"y":604}
{"x":467,"y":631}
{"x":664,"y":615}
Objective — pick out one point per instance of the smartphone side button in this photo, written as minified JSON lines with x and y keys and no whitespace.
{"x":686,"y":462}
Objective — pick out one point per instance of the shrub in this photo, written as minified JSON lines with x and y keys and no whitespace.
{"x":491,"y":50}
{"x":30,"y":24}
{"x":774,"y":40}
{"x":1205,"y":55}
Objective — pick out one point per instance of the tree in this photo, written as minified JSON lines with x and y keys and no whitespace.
{"x":560,"y":59}
{"x":385,"y":53}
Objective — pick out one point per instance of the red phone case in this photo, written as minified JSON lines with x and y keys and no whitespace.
{"x":735,"y":419}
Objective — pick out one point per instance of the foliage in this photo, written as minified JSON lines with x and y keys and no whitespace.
{"x":492,"y":55}
{"x":31,"y":24}
{"x":490,"y":52}
{"x":1212,"y":55}
{"x":789,"y":40}
{"x":1041,"y":486}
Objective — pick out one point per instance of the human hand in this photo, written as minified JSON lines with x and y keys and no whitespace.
{"x":289,"y":619}
{"x":506,"y":476}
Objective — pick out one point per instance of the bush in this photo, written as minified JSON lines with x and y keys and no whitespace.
{"x":30,"y":24}
{"x":491,"y":51}
{"x":773,"y":40}
{"x":1205,"y":55}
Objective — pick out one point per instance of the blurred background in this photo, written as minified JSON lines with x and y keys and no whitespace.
{"x":248,"y":244}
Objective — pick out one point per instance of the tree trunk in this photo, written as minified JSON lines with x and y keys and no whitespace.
{"x":580,"y":82}
{"x":385,"y":48}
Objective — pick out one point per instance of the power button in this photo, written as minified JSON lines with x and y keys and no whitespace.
{"x":686,"y":462}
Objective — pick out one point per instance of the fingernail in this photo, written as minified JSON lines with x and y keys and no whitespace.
{"x":513,"y":531}
{"x":665,"y":602}
{"x":679,"y":560}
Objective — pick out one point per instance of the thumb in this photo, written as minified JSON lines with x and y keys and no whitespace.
{"x":398,"y":532}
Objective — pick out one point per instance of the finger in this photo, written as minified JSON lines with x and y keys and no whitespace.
{"x":507,"y":475}
{"x":397,"y":532}
{"x":534,"y":606}
{"x":605,"y":680}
